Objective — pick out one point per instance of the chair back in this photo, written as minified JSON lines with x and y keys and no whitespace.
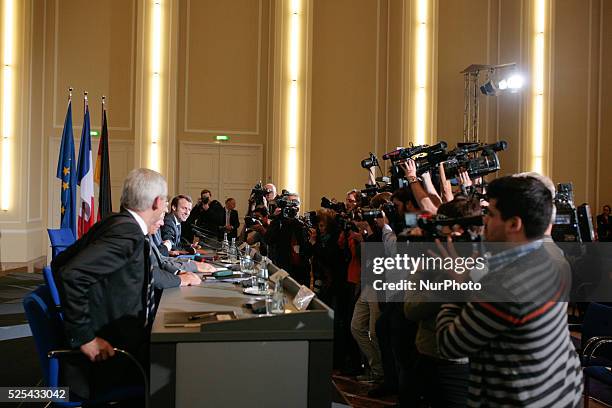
{"x":60,"y":239}
{"x":50,"y":281}
{"x":47,"y":330}
{"x":597,"y":322}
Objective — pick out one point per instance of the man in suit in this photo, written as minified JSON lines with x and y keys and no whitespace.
{"x":231,"y":219}
{"x":168,"y":273}
{"x":180,"y":208}
{"x":104,"y":280}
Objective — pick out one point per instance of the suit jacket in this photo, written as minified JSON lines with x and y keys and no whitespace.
{"x":172,"y":231}
{"x":233,"y":221}
{"x":163,"y":271}
{"x":156,"y":240}
{"x":102,"y":280}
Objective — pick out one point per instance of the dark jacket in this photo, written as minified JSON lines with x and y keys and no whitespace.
{"x":171,"y":231}
{"x":102,"y":280}
{"x":281,"y":236}
{"x":233,"y":221}
{"x":212,"y":219}
{"x":164,"y":272}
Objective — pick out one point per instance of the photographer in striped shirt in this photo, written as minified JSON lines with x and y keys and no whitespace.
{"x":520,"y":351}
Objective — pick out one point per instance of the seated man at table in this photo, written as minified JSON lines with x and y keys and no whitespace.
{"x":184,"y":264}
{"x":180,"y":208}
{"x":168,"y":273}
{"x":105,"y":288}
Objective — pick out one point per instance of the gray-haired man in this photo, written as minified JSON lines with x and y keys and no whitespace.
{"x":104,"y":278}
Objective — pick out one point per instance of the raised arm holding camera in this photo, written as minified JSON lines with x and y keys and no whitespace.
{"x":287,"y":239}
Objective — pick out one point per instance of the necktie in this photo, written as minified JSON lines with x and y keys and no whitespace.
{"x":178,"y":238}
{"x":149,"y":292}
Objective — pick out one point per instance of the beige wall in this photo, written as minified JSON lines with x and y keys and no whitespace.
{"x":221,"y":80}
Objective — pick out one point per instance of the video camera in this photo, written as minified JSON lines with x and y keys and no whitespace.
{"x":371,"y":214}
{"x":290,"y":208}
{"x":571,"y":223}
{"x":258,"y":192}
{"x":310,"y":219}
{"x":370,"y":162}
{"x":428,"y":156}
{"x":250,"y":221}
{"x":329,"y":204}
{"x":466,"y":157}
{"x":432,"y":227}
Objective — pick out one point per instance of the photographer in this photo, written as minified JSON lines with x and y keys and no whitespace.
{"x":211,"y":217}
{"x":270,"y":197}
{"x":255,"y":228}
{"x":496,"y":335}
{"x":207,"y":215}
{"x":287,"y":239}
{"x":443,"y":382}
{"x":326,"y":257}
{"x":405,"y":203}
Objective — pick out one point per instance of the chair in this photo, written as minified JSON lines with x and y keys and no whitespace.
{"x":50,"y":281}
{"x":60,"y":239}
{"x":596,"y":332}
{"x":47,"y":330}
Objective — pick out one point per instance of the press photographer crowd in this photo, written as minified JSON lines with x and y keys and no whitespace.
{"x":428,"y":354}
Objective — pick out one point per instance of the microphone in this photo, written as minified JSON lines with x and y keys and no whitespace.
{"x":204,"y":231}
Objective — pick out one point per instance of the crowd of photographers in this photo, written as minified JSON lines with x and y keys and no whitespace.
{"x":426,"y":353}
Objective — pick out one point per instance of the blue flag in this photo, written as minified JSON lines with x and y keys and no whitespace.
{"x":66,"y":172}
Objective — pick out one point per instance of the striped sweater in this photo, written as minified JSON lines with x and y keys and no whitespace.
{"x":520,"y":352}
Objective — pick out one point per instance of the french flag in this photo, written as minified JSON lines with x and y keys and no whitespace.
{"x":85,"y":177}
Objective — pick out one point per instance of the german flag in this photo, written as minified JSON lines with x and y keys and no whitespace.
{"x":102,"y":171}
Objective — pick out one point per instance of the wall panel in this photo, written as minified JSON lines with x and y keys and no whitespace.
{"x":604,"y":173}
{"x":571,"y":128}
{"x":97,"y":58}
{"x":462,"y":40}
{"x":221,"y":79}
{"x":224,"y":70}
{"x":344,"y":88}
{"x":506,"y":124}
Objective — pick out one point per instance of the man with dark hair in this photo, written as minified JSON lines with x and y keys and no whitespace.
{"x":180,"y":207}
{"x":519,"y":348}
{"x":231,"y":220}
{"x":288,"y":245}
{"x":166,"y":273}
{"x":255,"y":234}
{"x":209,"y":214}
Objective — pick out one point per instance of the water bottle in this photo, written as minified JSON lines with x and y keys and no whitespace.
{"x":225,"y":244}
{"x":278,"y":298}
{"x":262,"y":279}
{"x":232,"y":254}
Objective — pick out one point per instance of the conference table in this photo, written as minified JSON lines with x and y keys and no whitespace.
{"x":247,"y":360}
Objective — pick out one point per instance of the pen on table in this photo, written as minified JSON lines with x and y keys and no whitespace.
{"x":200,"y":316}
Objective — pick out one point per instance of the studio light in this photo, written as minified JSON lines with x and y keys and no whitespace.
{"x":488,"y":88}
{"x":515,"y":82}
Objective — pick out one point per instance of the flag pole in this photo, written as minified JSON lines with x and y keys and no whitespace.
{"x":70,"y":94}
{"x":85,"y":101}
